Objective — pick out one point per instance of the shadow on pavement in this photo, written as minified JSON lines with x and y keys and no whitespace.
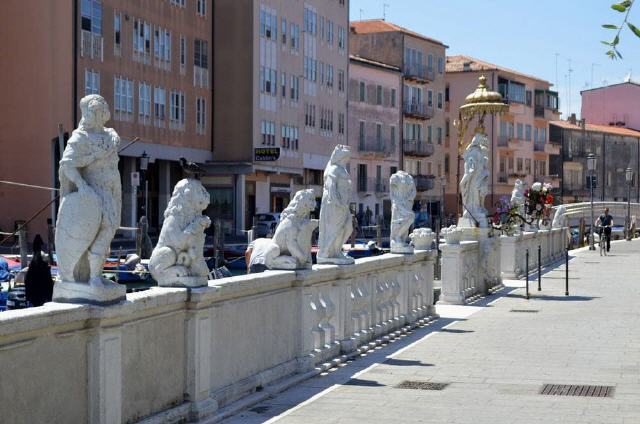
{"x":555,"y":298}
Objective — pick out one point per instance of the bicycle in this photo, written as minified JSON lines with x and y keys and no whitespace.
{"x":602,"y":242}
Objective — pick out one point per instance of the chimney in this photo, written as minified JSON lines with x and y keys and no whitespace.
{"x":572,"y":119}
{"x":466,"y":66}
{"x":583,"y":123}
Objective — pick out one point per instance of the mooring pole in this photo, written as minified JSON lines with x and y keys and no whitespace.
{"x":526,"y":272}
{"x":539,"y":268}
{"x":566,"y":272}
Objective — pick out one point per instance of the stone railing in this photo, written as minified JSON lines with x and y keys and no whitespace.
{"x":513,"y":250}
{"x":175,"y":355}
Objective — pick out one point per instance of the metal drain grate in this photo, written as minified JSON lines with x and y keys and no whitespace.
{"x":531,"y":311}
{"x":421,"y":385}
{"x":577,"y":390}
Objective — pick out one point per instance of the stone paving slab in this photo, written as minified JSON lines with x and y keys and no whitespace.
{"x":495,"y":360}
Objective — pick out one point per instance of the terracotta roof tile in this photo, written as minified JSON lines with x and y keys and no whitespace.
{"x":598,"y":128}
{"x":456,"y":64}
{"x":371,"y":26}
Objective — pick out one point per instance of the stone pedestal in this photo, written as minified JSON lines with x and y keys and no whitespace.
{"x":108,"y":293}
{"x":460,"y":272}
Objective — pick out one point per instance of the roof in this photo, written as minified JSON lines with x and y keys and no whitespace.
{"x":611,"y":85}
{"x":372,"y":26}
{"x":456,"y":64}
{"x":598,"y":128}
{"x":370,"y":62}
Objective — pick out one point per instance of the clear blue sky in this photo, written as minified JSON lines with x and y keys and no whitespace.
{"x":524,"y":35}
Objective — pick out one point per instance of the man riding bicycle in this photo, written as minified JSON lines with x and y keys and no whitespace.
{"x":605,"y":222}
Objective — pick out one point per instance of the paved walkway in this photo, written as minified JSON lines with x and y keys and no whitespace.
{"x":496,"y":360}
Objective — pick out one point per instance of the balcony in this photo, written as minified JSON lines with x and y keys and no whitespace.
{"x":374,"y":147}
{"x":91,"y":45}
{"x":547,"y":113}
{"x":200,"y":77}
{"x":417,"y":110}
{"x":418,"y":148}
{"x":503,"y":141}
{"x":418,"y":73}
{"x":424,"y":182}
{"x":502,"y":177}
{"x":539,"y":147}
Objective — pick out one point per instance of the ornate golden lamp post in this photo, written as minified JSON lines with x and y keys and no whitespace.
{"x":477,"y":104}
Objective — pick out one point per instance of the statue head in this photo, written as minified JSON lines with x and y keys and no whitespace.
{"x":189,"y":197}
{"x":401,"y":184}
{"x":301,"y":205}
{"x":95,"y":112}
{"x":341,"y":155}
{"x":479,"y":140}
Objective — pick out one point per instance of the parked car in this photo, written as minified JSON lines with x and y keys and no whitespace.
{"x":266,"y":224}
{"x":17,"y":298}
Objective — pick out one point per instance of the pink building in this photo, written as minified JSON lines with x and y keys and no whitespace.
{"x":617,"y":104}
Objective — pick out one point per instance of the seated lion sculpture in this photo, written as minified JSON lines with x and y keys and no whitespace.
{"x":177,"y":260}
{"x":292,"y":238}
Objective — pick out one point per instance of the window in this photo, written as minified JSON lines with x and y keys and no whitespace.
{"x":91,"y":82}
{"x":201,"y":115}
{"x":440,"y":100}
{"x":162,"y":45}
{"x":310,"y":21}
{"x":393,"y":97}
{"x":528,"y":98}
{"x":91,"y":11}
{"x":122,"y":97}
{"x":379,"y":95}
{"x":310,"y":68}
{"x":141,"y":39}
{"x":180,"y":3}
{"x":362,"y":177}
{"x":392,"y":134}
{"x":430,"y":98}
{"x":283,"y":30}
{"x":520,"y":131}
{"x":519,"y":167}
{"x":528,"y":132}
{"x":330,"y":33}
{"x":268,"y":131}
{"x":363,"y":92}
{"x":446,"y":93}
{"x":340,"y":123}
{"x":527,"y":166}
{"x":268,"y":80}
{"x":543,"y":135}
{"x":341,"y":80}
{"x":295,"y":88}
{"x":439,"y":135}
{"x":309,"y":115}
{"x":183,"y":53}
{"x":430,"y":62}
{"x":176,"y":111}
{"x":200,"y":54}
{"x":535,"y":135}
{"x":144,"y":102}
{"x":295,"y":37}
{"x":283,"y":84}
{"x":429,"y":134}
{"x":268,"y":24}
{"x":341,"y":38}
{"x":441,"y":65}
{"x":330,"y":76}
{"x":201,"y":7}
{"x":159,"y":105}
{"x":446,"y":163}
{"x":322,"y":33}
{"x":117,"y":34}
{"x":447,"y":127}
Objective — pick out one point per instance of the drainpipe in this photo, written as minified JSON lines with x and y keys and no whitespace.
{"x":74,"y":64}
{"x":604,"y":163}
{"x":493,"y":170}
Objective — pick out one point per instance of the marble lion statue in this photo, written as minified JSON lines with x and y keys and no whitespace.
{"x":177,"y":260}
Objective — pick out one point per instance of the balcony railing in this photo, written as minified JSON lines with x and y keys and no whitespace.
{"x":418,"y":148}
{"x":418,"y":110}
{"x":200,"y":77}
{"x":424,"y":182}
{"x":538,"y":147}
{"x":503,"y":140}
{"x":502,"y":177}
{"x":91,"y":45}
{"x":377,"y":147}
{"x":415,"y":71}
{"x":373,"y":184}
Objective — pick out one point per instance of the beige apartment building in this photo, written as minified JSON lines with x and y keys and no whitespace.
{"x":280,"y":74}
{"x":520,"y":147}
{"x":423,"y":124}
{"x":149,"y":59}
{"x":374,"y":128}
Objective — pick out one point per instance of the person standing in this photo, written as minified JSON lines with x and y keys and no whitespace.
{"x":605,"y":221}
{"x":38,"y":282}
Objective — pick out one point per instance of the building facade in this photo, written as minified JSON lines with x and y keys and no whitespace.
{"x":519,"y":143}
{"x":280,"y":82}
{"x":616,"y":149}
{"x":374,"y":128}
{"x":617,"y":104}
{"x":422,"y":63}
{"x":148,"y":59}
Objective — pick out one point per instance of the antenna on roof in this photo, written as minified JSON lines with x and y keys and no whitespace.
{"x":361,"y":12}
{"x":385,"y":6}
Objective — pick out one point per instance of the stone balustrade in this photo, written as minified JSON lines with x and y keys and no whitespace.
{"x":174,"y":355}
{"x":513,"y":250}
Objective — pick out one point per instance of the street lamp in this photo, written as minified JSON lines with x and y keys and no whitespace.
{"x":629,"y":177}
{"x":591,"y":167}
{"x":144,"y":165}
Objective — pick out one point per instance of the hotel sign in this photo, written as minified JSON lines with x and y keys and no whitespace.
{"x":266,"y":154}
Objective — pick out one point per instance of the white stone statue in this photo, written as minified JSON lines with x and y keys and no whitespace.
{"x":290,"y":247}
{"x":422,"y":238}
{"x":177,"y":260}
{"x":518,"y":200}
{"x":89,"y":212}
{"x":402,"y":190}
{"x":474,"y":185}
{"x":559,"y":218}
{"x":335,"y":216}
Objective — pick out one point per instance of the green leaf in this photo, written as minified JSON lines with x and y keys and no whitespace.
{"x":616,"y":41}
{"x":619,"y":7}
{"x":618,"y":53}
{"x":634,"y":28}
{"x":606,"y":43}
{"x":609,"y":26}
{"x":627,"y":3}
